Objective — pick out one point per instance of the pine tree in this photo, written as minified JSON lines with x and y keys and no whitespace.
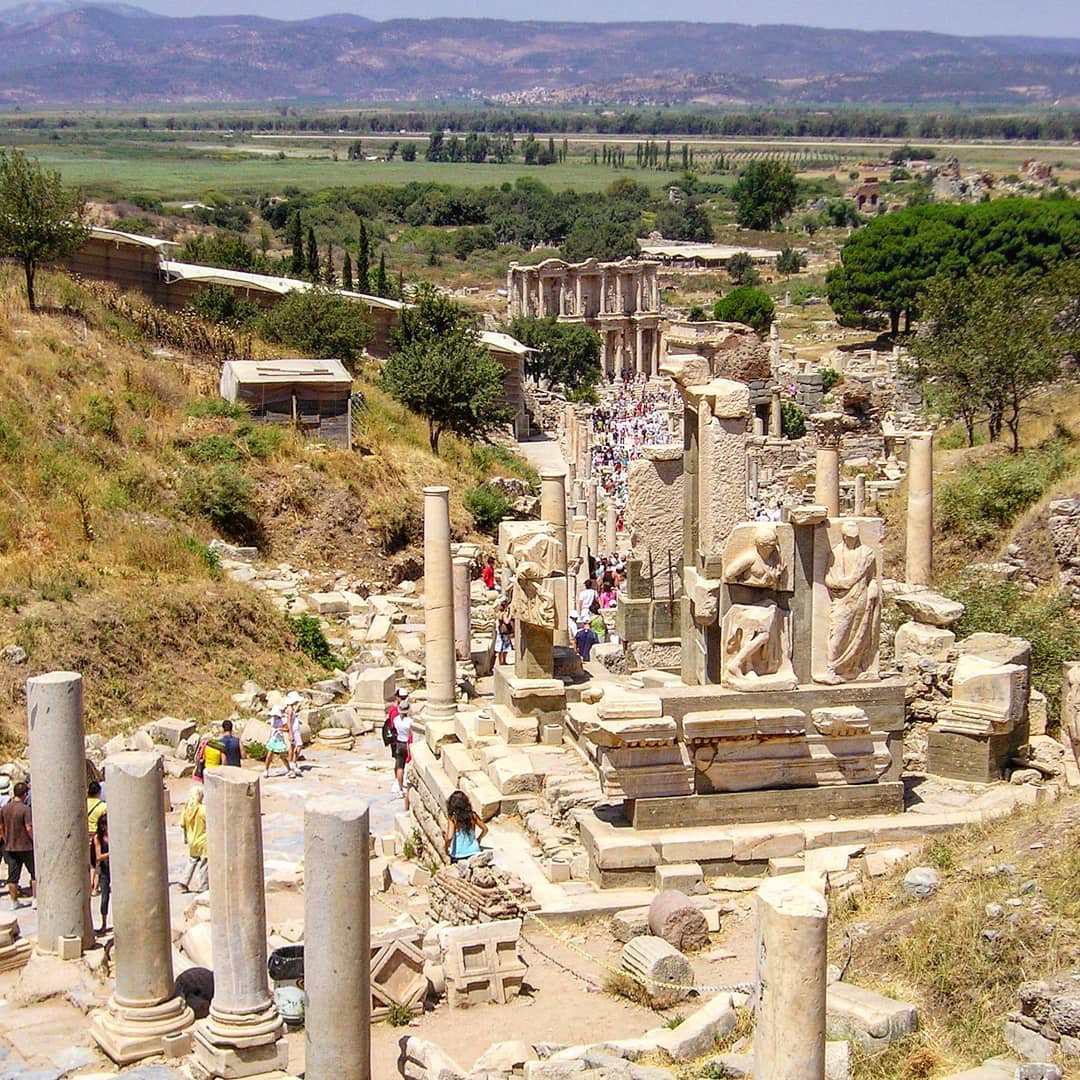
{"x":380,"y":276}
{"x":312,"y":260}
{"x":363,"y":261}
{"x":346,"y":274}
{"x":296,"y":238}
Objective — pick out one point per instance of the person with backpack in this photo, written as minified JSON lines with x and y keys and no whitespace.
{"x":95,"y":810}
{"x":104,"y":868}
{"x":401,"y":749}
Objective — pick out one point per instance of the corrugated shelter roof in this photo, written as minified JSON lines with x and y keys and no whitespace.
{"x":266,"y":372}
{"x":492,"y":339}
{"x":675,"y":249}
{"x":154,"y":242}
{"x":215,"y":275}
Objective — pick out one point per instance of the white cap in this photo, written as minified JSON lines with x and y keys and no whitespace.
{"x":276,"y":710}
{"x":293,"y":698}
{"x":401,"y":692}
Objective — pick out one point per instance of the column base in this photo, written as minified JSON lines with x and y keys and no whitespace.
{"x":239,"y":1046}
{"x":435,"y":711}
{"x":131,"y":1033}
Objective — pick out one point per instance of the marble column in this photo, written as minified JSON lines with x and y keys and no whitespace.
{"x":462,"y":608}
{"x":827,"y":475}
{"x":640,"y":359}
{"x":581,"y":508}
{"x":611,"y":538}
{"x":774,"y":347}
{"x":337,"y":940}
{"x":439,"y":658}
{"x":143,"y":1009}
{"x":920,"y":509}
{"x":54,"y":707}
{"x":243,"y":1035}
{"x":776,"y":416}
{"x":580,"y":308}
{"x":860,"y":494}
{"x":789,"y":1026}
{"x":591,"y":495}
{"x":553,"y":509}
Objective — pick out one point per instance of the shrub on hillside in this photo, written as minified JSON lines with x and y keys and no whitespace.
{"x":225,"y":497}
{"x":311,"y":641}
{"x":487,"y":506}
{"x":792,"y":420}
{"x":985,"y":498}
{"x":320,"y":324}
{"x":747,"y":305}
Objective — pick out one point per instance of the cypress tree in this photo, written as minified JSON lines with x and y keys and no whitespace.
{"x":312,"y":264}
{"x":401,"y":285}
{"x":380,"y":276}
{"x":331,"y":277}
{"x":685,"y":157}
{"x":363,"y":261}
{"x":296,"y":237}
{"x":346,"y":274}
{"x":667,"y":154}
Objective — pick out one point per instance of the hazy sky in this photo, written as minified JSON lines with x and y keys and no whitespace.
{"x":1037,"y":17}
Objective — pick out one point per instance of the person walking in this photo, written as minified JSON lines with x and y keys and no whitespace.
{"x":402,"y":739}
{"x":193,"y":824}
{"x":464,"y":828}
{"x":504,"y":633}
{"x":277,"y":745}
{"x":95,"y":810}
{"x":17,"y":836}
{"x":293,"y":733}
{"x":104,"y":869}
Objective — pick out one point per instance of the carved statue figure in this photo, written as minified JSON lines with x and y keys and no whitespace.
{"x":532,"y":558}
{"x":756,"y":648}
{"x":855,"y":608}
{"x":760,"y":566}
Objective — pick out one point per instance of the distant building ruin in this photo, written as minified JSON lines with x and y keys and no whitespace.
{"x":619,"y":300}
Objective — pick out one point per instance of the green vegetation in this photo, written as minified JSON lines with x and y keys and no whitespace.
{"x":311,"y":641}
{"x":829,"y":379}
{"x":741,"y":269}
{"x":568,"y":354}
{"x":765,"y":194}
{"x":439,"y":369}
{"x":225,"y":497}
{"x":885,"y":267}
{"x":319,"y":324}
{"x":487,"y":506}
{"x":991,"y":341}
{"x":985,"y":498}
{"x":792,"y":420}
{"x":255,"y":750}
{"x":748,"y":305}
{"x":40,"y":220}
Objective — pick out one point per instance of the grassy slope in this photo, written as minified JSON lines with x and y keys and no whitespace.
{"x":103,"y":567}
{"x":933,"y":952}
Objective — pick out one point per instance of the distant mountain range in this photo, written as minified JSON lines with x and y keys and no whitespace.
{"x":65,"y":52}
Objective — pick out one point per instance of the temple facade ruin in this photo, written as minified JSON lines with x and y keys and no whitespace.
{"x":619,"y":300}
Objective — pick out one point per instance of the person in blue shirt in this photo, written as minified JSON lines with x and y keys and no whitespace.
{"x":464,"y":829}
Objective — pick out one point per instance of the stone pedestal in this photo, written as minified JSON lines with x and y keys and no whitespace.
{"x":243,"y":1035}
{"x":143,"y":1010}
{"x":337,"y":940}
{"x":553,"y":509}
{"x":533,"y":652}
{"x":462,"y":608}
{"x":58,"y":763}
{"x":920,"y":510}
{"x":789,"y":1028}
{"x":439,"y":656}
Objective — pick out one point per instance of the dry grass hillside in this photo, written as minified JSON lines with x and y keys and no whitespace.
{"x":118,"y":465}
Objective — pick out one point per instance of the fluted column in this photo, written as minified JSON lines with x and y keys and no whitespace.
{"x":438,"y":607}
{"x":54,"y":707}
{"x":243,"y":1035}
{"x":337,"y":940}
{"x":143,"y":1009}
{"x":611,"y":527}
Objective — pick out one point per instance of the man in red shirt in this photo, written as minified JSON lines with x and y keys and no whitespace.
{"x":17,"y":836}
{"x":487,"y":575}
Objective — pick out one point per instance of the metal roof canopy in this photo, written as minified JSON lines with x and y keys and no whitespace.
{"x":269,"y":372}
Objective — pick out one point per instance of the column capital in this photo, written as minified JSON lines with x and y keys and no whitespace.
{"x":829,"y":428}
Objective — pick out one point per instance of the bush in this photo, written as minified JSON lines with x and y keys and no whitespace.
{"x":220,"y":304}
{"x":99,"y":417}
{"x":216,"y":406}
{"x":487,"y":506}
{"x":986,"y":498}
{"x":210,"y":558}
{"x":320,"y":324}
{"x":261,"y":441}
{"x":255,"y":750}
{"x":1044,"y":619}
{"x":747,"y":305}
{"x":311,"y":641}
{"x":829,"y":378}
{"x":212,"y":448}
{"x":792,"y":420}
{"x":225,"y":497}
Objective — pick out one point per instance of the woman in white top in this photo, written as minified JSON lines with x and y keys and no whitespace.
{"x":293,"y":734}
{"x":586,"y":599}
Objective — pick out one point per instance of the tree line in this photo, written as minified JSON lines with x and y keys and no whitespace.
{"x":836,"y":123}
